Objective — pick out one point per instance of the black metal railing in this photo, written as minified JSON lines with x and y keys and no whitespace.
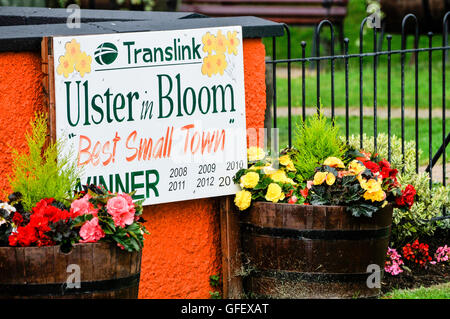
{"x":303,"y":63}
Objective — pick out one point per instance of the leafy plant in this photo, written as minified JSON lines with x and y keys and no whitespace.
{"x":315,"y":140}
{"x":42,"y":172}
{"x":415,"y":222}
{"x":214,"y":282}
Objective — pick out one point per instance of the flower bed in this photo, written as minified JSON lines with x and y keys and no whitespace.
{"x":409,"y":274}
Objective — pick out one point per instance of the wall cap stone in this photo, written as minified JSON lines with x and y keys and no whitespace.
{"x":22,"y":28}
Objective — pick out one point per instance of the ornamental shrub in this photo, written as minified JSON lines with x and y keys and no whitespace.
{"x":429,"y":203}
{"x":42,"y":171}
{"x":315,"y":140}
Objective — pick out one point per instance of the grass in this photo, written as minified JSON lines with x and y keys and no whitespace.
{"x":434,"y":292}
{"x":355,"y":15}
{"x":382,"y":125}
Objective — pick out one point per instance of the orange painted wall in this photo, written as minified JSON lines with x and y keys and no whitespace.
{"x":183,"y":249}
{"x":21,"y":95}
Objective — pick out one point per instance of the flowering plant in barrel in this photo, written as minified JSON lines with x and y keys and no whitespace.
{"x":47,"y":228}
{"x":310,"y":210}
{"x":322,"y":170}
{"x":364,"y":185}
{"x":43,"y":212}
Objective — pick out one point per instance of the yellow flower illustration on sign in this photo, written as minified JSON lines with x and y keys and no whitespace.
{"x":74,"y":59}
{"x":221,"y":63}
{"x":221,"y":42}
{"x":72,"y":50}
{"x":232,"y":42}
{"x":209,"y":42}
{"x":209,"y":67}
{"x":65,"y":66}
{"x":217,"y":48}
{"x":83,"y":63}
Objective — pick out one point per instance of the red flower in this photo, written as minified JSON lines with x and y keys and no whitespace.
{"x":417,"y":253}
{"x":374,"y":168}
{"x":17,"y":219}
{"x":365,"y":158}
{"x":304,"y":192}
{"x":407,"y":198}
{"x":34,"y":233}
{"x":293,"y":200}
{"x":383,"y":163}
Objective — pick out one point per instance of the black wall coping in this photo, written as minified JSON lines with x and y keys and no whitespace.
{"x":22,"y":28}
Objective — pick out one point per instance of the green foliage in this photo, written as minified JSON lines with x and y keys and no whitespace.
{"x":214,"y":281}
{"x":42,"y":173}
{"x":441,"y":291}
{"x":428,"y":203}
{"x":315,"y":140}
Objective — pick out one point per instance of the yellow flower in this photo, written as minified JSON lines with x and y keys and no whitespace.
{"x":72,"y":51}
{"x":334,"y":162}
{"x":285,"y":160}
{"x":65,"y":66}
{"x":243,"y":199}
{"x":356,"y":168}
{"x":319,"y":178}
{"x":255,"y":154}
{"x":374,"y":192}
{"x":209,"y":66}
{"x":209,"y":42}
{"x":280,"y":176}
{"x":254,"y":167}
{"x":232,"y":42}
{"x":372,"y":185}
{"x":221,"y":63}
{"x":331,"y":179}
{"x":375,"y":196}
{"x":221,"y":43}
{"x":83,"y":64}
{"x":250,"y":180}
{"x":274,"y":193}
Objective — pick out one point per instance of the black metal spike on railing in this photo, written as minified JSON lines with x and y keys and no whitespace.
{"x":361,"y":93}
{"x":403,"y":54}
{"x":389,"y":66}
{"x":289,"y":93}
{"x":332,"y":57}
{"x":347,"y":115}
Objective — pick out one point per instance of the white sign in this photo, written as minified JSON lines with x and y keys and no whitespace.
{"x":162,"y":113}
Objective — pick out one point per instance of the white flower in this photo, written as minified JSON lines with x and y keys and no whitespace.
{"x":7,"y":207}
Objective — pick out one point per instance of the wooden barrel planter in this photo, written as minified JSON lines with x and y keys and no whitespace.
{"x":106,"y":271}
{"x":300,"y":251}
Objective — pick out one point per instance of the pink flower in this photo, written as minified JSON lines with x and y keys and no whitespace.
{"x":392,"y":265}
{"x":82,"y":206}
{"x":91,"y":232}
{"x":122,"y":210}
{"x":442,"y":254}
{"x":309,"y":184}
